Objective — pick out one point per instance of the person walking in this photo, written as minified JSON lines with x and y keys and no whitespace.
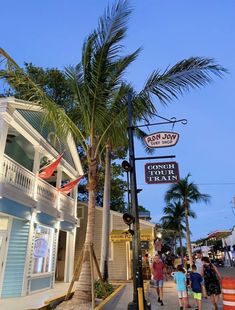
{"x":158,"y":270}
{"x":212,"y":280}
{"x":199,"y":264}
{"x":180,"y":280}
{"x":196,"y":286}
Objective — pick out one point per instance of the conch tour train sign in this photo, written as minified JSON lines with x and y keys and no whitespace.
{"x":161,"y":139}
{"x":167,"y":172}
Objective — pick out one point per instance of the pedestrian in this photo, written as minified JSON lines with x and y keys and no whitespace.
{"x":212,"y":279}
{"x":199,"y":264}
{"x":180,"y":280}
{"x":158,"y":271}
{"x":196,"y":286}
{"x":146,"y":267}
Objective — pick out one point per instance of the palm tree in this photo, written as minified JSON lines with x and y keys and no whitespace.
{"x":99,"y":103}
{"x":174,"y":220}
{"x":187,"y":193}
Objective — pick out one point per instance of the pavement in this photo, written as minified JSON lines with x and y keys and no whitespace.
{"x":170,"y":299}
{"x":119,"y":302}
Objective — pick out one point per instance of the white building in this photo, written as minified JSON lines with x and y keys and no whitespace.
{"x":230,"y":243}
{"x":37,"y":224}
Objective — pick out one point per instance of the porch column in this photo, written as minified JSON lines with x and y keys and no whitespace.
{"x":38,"y":151}
{"x":69,"y":256}
{"x":75,"y":194}
{"x":3,"y":136}
{"x":58,"y":184}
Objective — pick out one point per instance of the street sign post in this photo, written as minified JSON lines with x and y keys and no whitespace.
{"x":162,"y":172}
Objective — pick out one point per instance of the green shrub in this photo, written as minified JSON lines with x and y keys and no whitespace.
{"x":99,"y":290}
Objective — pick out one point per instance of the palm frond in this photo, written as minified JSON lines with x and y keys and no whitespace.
{"x":186,"y":74}
{"x":17,"y":78}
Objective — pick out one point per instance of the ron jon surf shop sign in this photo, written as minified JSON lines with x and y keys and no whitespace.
{"x":165,"y":172}
{"x":161,"y":139}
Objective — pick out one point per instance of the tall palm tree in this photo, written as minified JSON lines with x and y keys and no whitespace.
{"x":96,"y":81}
{"x":187,"y":193}
{"x":174,"y":220}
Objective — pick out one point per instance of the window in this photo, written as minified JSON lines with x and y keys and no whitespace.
{"x":42,"y":249}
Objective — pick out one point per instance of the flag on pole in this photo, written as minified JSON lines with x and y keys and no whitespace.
{"x":48,"y":170}
{"x":69,"y":186}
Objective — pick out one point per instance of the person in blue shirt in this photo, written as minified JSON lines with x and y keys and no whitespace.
{"x":196,"y":286}
{"x":180,"y":280}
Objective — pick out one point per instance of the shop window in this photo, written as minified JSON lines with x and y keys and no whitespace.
{"x":42,"y":249}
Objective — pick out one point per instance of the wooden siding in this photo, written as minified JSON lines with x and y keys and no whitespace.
{"x":118,"y":266}
{"x":15,"y":263}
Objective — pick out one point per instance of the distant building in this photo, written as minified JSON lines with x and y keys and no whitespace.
{"x":37,"y":223}
{"x":229,"y":242}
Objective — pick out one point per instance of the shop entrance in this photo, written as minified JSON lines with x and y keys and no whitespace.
{"x":61,"y":255}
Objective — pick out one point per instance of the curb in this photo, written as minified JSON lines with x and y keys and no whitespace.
{"x":106,"y":300}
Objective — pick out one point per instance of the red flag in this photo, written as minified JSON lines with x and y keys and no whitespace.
{"x":69,"y":186}
{"x":48,"y":170}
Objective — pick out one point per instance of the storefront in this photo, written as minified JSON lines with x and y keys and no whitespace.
{"x":121,"y":241}
{"x":29,"y":256}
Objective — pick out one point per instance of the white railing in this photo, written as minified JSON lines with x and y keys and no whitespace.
{"x":16,"y":175}
{"x":66,"y":204}
{"x":46,"y":191}
{"x":19,"y":177}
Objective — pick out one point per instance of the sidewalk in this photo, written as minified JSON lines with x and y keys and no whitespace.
{"x":120,"y":302}
{"x":33,"y":300}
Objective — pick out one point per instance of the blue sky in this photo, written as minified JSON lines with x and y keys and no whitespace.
{"x":51,"y":33}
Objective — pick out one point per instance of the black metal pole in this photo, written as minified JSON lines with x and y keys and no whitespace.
{"x":128,"y":192}
{"x":137,"y":257}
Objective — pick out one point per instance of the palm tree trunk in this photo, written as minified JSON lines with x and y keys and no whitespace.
{"x":82,"y":298}
{"x":181,"y":247}
{"x":106,"y":216}
{"x":189,"y":249}
{"x":174,"y":244}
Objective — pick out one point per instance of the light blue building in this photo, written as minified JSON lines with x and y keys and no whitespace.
{"x":37,"y":223}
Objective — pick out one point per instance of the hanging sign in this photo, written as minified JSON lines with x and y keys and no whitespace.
{"x":120,"y":235}
{"x":40,"y":247}
{"x":165,"y":172}
{"x":161,"y":139}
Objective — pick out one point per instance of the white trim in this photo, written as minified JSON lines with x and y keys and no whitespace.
{"x":28,"y":256}
{"x":41,"y":275}
{"x":229,"y":303}
{"x":74,"y":153}
{"x":227,"y":291}
{"x":67,"y":256}
{"x":8,"y":235}
{"x":56,"y":231}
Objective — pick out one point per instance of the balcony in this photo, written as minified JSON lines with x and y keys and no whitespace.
{"x":23,"y":186}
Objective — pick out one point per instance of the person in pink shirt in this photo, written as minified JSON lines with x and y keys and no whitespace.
{"x":158,"y":271}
